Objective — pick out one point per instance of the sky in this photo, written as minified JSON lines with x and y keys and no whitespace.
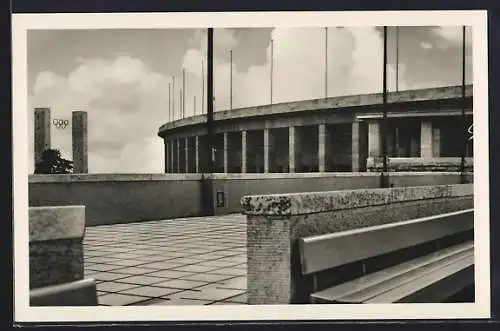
{"x":122,"y":77}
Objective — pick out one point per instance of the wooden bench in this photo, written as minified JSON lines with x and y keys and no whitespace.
{"x":421,"y":260}
{"x":78,"y":293}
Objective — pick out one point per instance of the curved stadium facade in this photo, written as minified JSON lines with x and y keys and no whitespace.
{"x":339,"y":134}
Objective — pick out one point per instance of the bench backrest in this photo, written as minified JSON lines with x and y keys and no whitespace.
{"x":318,"y":253}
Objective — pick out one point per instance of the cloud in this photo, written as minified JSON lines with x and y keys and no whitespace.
{"x":126,"y":103}
{"x":298,"y":68}
{"x":453,"y":35}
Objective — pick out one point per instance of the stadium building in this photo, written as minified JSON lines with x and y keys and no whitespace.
{"x":425,"y":131}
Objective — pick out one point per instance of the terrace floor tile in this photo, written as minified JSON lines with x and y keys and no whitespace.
{"x":114,"y":286}
{"x":141,"y":280}
{"x":181,"y":284}
{"x":116,"y":299}
{"x":150,"y":291}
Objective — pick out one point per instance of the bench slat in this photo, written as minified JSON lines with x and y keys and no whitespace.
{"x":409,"y":277}
{"x":332,"y":250}
{"x":454,"y":276}
{"x":361,"y":289}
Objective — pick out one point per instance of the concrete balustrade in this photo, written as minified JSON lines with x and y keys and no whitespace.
{"x":275,"y":222}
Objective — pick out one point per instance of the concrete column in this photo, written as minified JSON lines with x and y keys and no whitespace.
{"x":197,"y":152}
{"x":80,"y":142}
{"x":167,"y":155}
{"x":291,"y":149}
{"x":243,"y":152}
{"x":42,"y":132}
{"x":172,"y":156}
{"x":436,"y":142}
{"x":266,"y":150}
{"x":225,"y":154}
{"x":355,"y":161}
{"x":321,"y":147}
{"x":426,"y":139}
{"x":178,"y":156}
{"x":186,"y":153}
{"x":374,"y":143}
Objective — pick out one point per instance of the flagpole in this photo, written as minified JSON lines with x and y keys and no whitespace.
{"x":207,"y":196}
{"x":202,"y":86}
{"x":169,"y":103}
{"x":271,"y":71}
{"x":173,"y":97}
{"x":397,"y":58}
{"x":231,"y":79}
{"x":184,"y":92}
{"x":326,"y":62}
{"x":385,"y":174}
{"x":464,"y":143}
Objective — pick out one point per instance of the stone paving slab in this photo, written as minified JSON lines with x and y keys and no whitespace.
{"x":188,"y":261}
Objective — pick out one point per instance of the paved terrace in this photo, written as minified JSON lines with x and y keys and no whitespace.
{"x":190,"y":261}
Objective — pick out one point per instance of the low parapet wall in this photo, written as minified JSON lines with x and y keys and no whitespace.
{"x":275,"y":222}
{"x":56,"y":245}
{"x":235,"y":186}
{"x":122,"y":198}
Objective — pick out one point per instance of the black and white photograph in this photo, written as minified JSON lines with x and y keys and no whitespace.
{"x":313,"y":165}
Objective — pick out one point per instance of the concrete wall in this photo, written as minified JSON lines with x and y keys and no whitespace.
{"x":120,"y":198}
{"x":236,"y":186}
{"x":275,"y":222}
{"x":130,"y":198}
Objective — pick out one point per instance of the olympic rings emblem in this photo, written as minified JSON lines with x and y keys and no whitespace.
{"x":60,"y":123}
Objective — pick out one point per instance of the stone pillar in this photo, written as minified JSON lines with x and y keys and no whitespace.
{"x":291,"y":149}
{"x":321,"y":147}
{"x":355,"y":161}
{"x":266,"y":150}
{"x":178,"y":156}
{"x":225,"y":154}
{"x":80,"y":142}
{"x":42,"y":132}
{"x":436,"y":142}
{"x":243,"y":152}
{"x":426,"y":139}
{"x":269,"y":275}
{"x":186,"y":153}
{"x":197,"y":152}
{"x":374,"y":143}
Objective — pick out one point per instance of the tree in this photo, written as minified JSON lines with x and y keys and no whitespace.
{"x":52,"y":162}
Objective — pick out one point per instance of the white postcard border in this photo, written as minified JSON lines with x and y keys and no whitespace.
{"x":23,"y":22}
